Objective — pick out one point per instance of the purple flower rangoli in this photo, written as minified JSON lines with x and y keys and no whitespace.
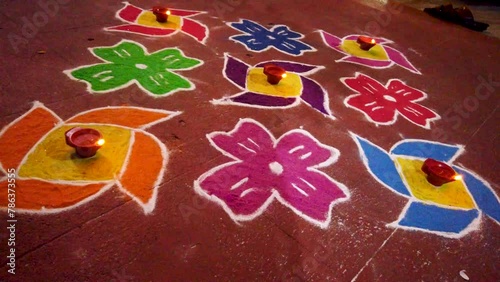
{"x":256,"y":92}
{"x":265,"y":168}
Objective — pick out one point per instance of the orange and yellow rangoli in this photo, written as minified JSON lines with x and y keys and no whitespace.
{"x":51,"y":177}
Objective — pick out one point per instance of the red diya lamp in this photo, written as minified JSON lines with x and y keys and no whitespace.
{"x":366,"y":43}
{"x":161,"y":14}
{"x":439,"y":173}
{"x":274,"y":73}
{"x":86,"y":141}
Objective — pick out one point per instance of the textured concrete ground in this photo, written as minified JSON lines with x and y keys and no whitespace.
{"x":170,"y":211}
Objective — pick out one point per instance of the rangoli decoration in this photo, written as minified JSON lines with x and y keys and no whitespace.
{"x":265,"y":168}
{"x":379,"y":57}
{"x":289,"y":92}
{"x":144,"y":22}
{"x":451,"y":210}
{"x":383,"y":104}
{"x":51,"y":178}
{"x":258,"y":38}
{"x":129,"y":62}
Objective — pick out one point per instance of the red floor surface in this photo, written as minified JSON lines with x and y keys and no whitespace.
{"x":341,"y":210}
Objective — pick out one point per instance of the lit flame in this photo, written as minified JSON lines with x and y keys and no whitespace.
{"x":373,"y":41}
{"x":457,"y":177}
{"x":283,"y":75}
{"x":100,"y":142}
{"x":168,"y":12}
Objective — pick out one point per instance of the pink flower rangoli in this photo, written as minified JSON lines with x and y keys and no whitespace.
{"x":265,"y":168}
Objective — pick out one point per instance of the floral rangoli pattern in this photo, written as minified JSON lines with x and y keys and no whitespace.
{"x":51,"y":178}
{"x":265,"y":168}
{"x":379,"y":57}
{"x":290,"y":92}
{"x":129,"y":62}
{"x":144,"y":22}
{"x":451,"y":210}
{"x":383,"y":104}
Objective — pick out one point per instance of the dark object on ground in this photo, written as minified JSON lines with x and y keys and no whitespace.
{"x":462,"y":16}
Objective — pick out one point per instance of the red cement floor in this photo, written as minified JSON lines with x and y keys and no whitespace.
{"x":190,"y":238}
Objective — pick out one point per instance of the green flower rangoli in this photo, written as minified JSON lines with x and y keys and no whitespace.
{"x":129,"y":62}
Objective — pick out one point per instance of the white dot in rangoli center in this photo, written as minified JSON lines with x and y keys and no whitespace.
{"x":389,"y":98}
{"x":141,"y":66}
{"x":276,"y":168}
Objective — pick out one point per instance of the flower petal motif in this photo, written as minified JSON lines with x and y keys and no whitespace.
{"x":121,"y":53}
{"x":382,"y":104}
{"x":398,"y":58}
{"x":257,"y":100}
{"x":40,"y":120}
{"x":315,"y":96}
{"x":364,"y":61}
{"x":144,"y":189}
{"x":129,"y":63}
{"x":103,"y":78}
{"x":236,"y":188}
{"x":172,"y":59}
{"x":380,"y":165}
{"x":143,"y":30}
{"x":244,"y":142}
{"x":265,"y":168}
{"x":249,"y":27}
{"x":257,"y":38}
{"x":133,"y":117}
{"x":129,"y":13}
{"x":311,"y":195}
{"x":484,"y":196}
{"x":260,"y":94}
{"x":34,"y":194}
{"x":427,"y":149}
{"x":51,"y":179}
{"x":393,"y":56}
{"x":301,"y":151}
{"x":235,"y":71}
{"x":443,"y":221}
{"x":195,"y":29}
{"x":450,"y":211}
{"x":160,"y":83}
{"x":143,"y":22}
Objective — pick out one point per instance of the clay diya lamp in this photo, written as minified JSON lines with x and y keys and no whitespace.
{"x":439,"y":173}
{"x":86,"y":141}
{"x":366,"y":43}
{"x":161,"y":14}
{"x":274,"y":73}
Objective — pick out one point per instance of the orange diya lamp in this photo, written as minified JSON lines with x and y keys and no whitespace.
{"x":439,"y":173}
{"x":86,"y":141}
{"x":366,"y":43}
{"x":274,"y":73}
{"x":161,"y":14}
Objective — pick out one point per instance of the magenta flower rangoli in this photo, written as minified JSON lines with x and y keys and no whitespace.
{"x":380,"y":56}
{"x":265,"y":168}
{"x":382,"y":104}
